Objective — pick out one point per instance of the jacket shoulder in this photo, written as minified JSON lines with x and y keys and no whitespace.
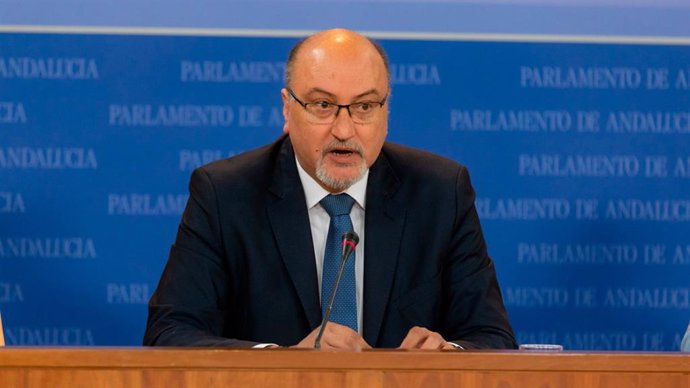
{"x":411,"y":162}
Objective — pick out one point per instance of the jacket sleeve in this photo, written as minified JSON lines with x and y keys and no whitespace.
{"x":191,"y":305}
{"x":475,"y":315}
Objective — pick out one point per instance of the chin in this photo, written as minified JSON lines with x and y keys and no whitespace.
{"x":341,"y":181}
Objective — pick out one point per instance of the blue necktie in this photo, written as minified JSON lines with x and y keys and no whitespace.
{"x":344,"y":309}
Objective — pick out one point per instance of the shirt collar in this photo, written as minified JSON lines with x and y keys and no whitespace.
{"x":315,"y":193}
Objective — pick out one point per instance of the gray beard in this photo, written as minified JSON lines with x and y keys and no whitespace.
{"x":335,"y":183}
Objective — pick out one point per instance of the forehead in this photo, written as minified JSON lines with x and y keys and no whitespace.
{"x":341,"y":66}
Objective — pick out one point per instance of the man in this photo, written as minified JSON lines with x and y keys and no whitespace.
{"x":248,"y":268}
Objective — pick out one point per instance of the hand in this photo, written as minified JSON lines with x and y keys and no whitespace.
{"x":335,"y":337}
{"x":423,"y":338}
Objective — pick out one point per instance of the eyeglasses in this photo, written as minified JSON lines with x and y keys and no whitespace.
{"x":324,"y":112}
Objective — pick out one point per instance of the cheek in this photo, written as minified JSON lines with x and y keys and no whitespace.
{"x":309,"y":143}
{"x":373,"y":143}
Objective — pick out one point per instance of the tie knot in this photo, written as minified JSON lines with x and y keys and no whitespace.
{"x":337,"y":205}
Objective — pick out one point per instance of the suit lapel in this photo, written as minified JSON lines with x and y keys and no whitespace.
{"x":290,"y":222}
{"x":384,"y":221}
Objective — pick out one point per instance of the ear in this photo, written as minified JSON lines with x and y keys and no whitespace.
{"x":285,"y":96}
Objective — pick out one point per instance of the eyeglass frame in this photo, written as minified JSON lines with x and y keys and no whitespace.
{"x":337,"y":112}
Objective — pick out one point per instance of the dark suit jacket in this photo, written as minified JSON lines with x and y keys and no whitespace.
{"x":242,"y":269}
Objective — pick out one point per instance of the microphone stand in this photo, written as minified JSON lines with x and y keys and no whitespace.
{"x":350,"y":240}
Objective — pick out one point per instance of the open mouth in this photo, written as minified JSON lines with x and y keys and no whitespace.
{"x":345,"y":152}
{"x":342,"y":152}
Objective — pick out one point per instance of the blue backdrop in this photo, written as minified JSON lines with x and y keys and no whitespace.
{"x":578,"y":153}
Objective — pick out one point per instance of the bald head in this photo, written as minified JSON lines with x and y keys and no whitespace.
{"x":335,"y":40}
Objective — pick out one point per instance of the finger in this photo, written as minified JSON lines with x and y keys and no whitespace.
{"x":332,"y":336}
{"x":343,"y":337}
{"x":362,"y":343}
{"x":415,"y":337}
{"x":349,"y":343}
{"x":310,"y":340}
{"x":433,"y":342}
{"x":335,"y":339}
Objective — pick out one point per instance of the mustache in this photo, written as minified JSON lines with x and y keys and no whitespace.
{"x":348,"y":145}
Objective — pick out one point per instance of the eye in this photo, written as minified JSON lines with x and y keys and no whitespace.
{"x":322,"y":105}
{"x":363,"y":107}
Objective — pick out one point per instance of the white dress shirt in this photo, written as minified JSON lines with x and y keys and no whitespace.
{"x":319,"y":221}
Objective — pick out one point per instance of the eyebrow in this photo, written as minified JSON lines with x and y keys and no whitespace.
{"x":329,"y":94}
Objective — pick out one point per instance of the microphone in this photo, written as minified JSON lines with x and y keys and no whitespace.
{"x":349,"y":242}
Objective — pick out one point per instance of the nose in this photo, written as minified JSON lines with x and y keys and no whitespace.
{"x":343,"y":127}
